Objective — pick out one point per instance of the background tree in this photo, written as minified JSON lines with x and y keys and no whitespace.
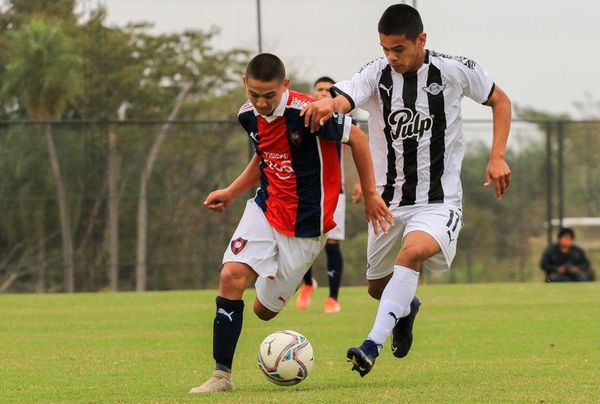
{"x":176,"y":64}
{"x":44,"y":74}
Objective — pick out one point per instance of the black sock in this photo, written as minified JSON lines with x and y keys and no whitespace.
{"x":227,"y":328}
{"x":335,"y":267}
{"x":308,"y":277}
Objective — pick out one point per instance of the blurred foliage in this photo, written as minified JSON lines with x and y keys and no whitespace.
{"x":132,"y":73}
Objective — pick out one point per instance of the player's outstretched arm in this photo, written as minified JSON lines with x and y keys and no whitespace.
{"x":497,"y":170}
{"x":220,"y":199}
{"x":318,"y":112}
{"x":376,"y":210}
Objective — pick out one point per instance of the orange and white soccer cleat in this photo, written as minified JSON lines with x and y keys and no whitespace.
{"x":305,"y":294}
{"x":332,"y":306}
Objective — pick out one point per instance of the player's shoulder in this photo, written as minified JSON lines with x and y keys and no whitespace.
{"x":297,"y":100}
{"x":246,"y":107}
{"x":374,"y":65}
{"x":448,"y":61}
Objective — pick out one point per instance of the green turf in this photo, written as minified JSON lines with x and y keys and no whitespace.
{"x":473,"y":343}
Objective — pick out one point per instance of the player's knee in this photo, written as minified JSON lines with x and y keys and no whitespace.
{"x":411,"y":257}
{"x":265,"y":316}
{"x":262,"y":312}
{"x":233,"y":279}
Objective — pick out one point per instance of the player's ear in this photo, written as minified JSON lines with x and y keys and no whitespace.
{"x":422,"y":39}
{"x":286,"y":82}
{"x":244,"y":79}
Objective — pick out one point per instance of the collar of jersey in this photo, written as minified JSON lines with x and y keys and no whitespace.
{"x":279,"y":110}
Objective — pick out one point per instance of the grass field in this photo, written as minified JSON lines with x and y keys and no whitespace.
{"x":473,"y":343}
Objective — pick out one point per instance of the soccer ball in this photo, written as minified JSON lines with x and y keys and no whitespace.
{"x":285,"y":357}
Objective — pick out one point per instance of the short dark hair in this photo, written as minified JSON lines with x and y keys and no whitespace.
{"x":566,"y":231}
{"x":401,"y":19}
{"x":324,"y":79}
{"x":266,"y":67}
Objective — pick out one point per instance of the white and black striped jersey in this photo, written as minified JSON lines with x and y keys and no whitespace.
{"x":415,"y":125}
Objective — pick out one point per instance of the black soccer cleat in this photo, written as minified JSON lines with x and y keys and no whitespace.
{"x":363,"y":357}
{"x":402,"y":336}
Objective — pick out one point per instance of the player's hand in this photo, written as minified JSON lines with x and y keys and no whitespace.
{"x":378,"y":214}
{"x":498,"y":172}
{"x":317,"y":113}
{"x":218,"y":200}
{"x":357,"y":195}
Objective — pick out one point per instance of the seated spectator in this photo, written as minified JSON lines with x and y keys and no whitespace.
{"x":566,"y":262}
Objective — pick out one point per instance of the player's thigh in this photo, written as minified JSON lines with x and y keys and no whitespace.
{"x":430,"y":237}
{"x":382,"y":249}
{"x":253,"y":243}
{"x":294,"y":258}
{"x":417,"y":247}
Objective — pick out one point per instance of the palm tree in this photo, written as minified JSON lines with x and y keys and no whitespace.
{"x":44,"y":74}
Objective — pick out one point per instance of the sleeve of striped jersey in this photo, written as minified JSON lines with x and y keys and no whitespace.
{"x":337,"y":128}
{"x":360,"y":87}
{"x":477,"y":83}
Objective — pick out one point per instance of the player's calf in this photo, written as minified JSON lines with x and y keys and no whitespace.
{"x":376,"y":286}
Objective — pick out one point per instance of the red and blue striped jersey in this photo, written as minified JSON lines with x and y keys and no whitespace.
{"x":300,"y":177}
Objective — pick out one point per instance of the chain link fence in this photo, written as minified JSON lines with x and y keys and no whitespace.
{"x":556,"y":175}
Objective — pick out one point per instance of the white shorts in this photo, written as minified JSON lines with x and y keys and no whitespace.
{"x":339,"y":216}
{"x":442,"y":222}
{"x":280,"y":261}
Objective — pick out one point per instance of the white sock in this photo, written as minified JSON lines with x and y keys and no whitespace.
{"x":395,"y":302}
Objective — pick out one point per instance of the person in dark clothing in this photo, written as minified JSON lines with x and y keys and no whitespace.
{"x":566,"y":262}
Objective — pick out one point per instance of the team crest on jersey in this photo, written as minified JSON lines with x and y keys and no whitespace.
{"x":407,"y":124}
{"x":434,"y":88}
{"x":238,"y":245}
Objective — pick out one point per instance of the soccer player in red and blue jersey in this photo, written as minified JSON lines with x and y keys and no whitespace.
{"x":284,"y":226}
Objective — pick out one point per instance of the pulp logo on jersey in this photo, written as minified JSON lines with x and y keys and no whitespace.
{"x":406,"y":124}
{"x":238,"y":245}
{"x":283,"y":169}
{"x":434,"y":88}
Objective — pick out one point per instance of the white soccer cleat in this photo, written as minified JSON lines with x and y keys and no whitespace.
{"x":219,"y":381}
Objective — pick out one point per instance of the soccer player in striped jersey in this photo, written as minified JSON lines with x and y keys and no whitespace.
{"x":413,"y":96}
{"x":284,"y":227}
